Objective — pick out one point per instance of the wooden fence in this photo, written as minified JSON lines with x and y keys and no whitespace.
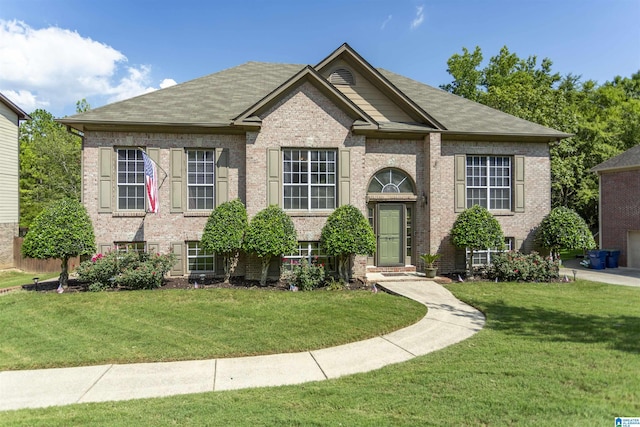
{"x":38,"y":265}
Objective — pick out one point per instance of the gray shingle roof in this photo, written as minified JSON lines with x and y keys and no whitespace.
{"x":216,"y":99}
{"x":628,"y":159}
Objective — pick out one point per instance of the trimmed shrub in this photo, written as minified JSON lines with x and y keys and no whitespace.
{"x":475,"y":228}
{"x":125,"y":270}
{"x":304,"y":275}
{"x":514,"y":266}
{"x":563,"y":228}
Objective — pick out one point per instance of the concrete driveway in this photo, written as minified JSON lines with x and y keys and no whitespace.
{"x":615,"y":276}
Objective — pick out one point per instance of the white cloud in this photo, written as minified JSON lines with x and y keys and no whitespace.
{"x":167,"y":83}
{"x":386,"y":21}
{"x":419,"y":19}
{"x":53,"y":68}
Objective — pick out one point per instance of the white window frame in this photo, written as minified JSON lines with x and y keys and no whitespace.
{"x":138,"y":247}
{"x":480,"y":255}
{"x":201,"y":177}
{"x":312,"y":253}
{"x":305,"y":172}
{"x":198,"y":255}
{"x":489,"y":182}
{"x":131,"y":179}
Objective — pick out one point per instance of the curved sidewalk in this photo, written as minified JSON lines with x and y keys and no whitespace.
{"x":448,"y":321}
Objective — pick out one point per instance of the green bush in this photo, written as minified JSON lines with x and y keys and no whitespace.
{"x":304,"y":275}
{"x":514,"y":266}
{"x":126,"y":270}
{"x":563,"y":228}
{"x":347,"y":233}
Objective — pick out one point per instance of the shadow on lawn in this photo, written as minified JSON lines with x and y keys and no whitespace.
{"x":620,"y":332}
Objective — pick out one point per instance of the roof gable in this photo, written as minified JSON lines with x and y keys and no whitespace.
{"x":307,"y":74}
{"x":13,"y":107}
{"x":630,"y":159}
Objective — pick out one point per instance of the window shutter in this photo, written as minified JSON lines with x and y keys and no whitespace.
{"x":222,"y":176}
{"x":460,"y":184}
{"x":103,"y":248}
{"x":153,"y":248}
{"x":518,"y":181}
{"x":460,"y":260}
{"x":105,"y":180}
{"x":519,"y":245}
{"x":344,"y":178}
{"x":177,"y":189}
{"x":178,"y":249}
{"x":273,"y":177}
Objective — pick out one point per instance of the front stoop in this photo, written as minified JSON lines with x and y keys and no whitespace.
{"x":399,"y":274}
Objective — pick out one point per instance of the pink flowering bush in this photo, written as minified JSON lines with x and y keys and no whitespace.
{"x":514,"y":266}
{"x":125,"y":270}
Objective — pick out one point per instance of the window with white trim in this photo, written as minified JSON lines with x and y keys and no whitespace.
{"x":309,"y":179}
{"x":483,"y":257}
{"x":130,"y":179}
{"x":137,"y":247}
{"x":312,"y":253}
{"x":201,"y":166}
{"x":199,"y":259}
{"x":488,"y":182}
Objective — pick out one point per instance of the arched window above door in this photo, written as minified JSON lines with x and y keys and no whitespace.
{"x":391,"y":181}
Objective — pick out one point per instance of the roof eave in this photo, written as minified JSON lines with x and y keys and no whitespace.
{"x":13,"y":107}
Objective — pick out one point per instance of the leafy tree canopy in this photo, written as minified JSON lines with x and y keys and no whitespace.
{"x":225,"y":231}
{"x":346,"y":233}
{"x":62,"y":230}
{"x":476,"y":229}
{"x":563,"y":228}
{"x":270,"y":233}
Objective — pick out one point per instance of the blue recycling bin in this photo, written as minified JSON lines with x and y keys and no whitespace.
{"x":612,"y":258}
{"x":598,"y":259}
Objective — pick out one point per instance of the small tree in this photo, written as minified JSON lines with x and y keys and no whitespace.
{"x":270,"y":233}
{"x":347,"y":233}
{"x":224,"y":233}
{"x":476,"y":229}
{"x":563,"y":228}
{"x":62,"y":230}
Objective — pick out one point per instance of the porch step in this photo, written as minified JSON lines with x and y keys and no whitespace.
{"x":404,"y":269}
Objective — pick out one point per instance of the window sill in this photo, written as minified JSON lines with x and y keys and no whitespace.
{"x":132,"y":214}
{"x":197,"y":213}
{"x":502,"y":213}
{"x":318,"y":213}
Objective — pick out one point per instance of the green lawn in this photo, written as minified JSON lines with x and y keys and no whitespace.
{"x":9,"y":279}
{"x":550,"y":355}
{"x":42,"y":330}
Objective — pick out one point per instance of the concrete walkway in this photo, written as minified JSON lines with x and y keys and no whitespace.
{"x":448,"y":321}
{"x":614,"y":276}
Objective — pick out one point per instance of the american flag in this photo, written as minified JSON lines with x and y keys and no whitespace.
{"x":151,"y":183}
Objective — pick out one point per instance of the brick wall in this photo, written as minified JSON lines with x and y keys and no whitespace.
{"x":619,"y":209}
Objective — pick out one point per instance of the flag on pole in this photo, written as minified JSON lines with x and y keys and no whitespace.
{"x":151,"y":183}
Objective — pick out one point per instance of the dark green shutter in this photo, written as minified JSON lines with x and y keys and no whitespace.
{"x":105,"y":180}
{"x":460,"y":192}
{"x":344,"y":177}
{"x":273,"y":177}
{"x":177,"y":181}
{"x":178,"y":268}
{"x":222,"y":175}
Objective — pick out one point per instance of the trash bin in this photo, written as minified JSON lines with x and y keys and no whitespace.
{"x":598,"y":259}
{"x":612,"y":258}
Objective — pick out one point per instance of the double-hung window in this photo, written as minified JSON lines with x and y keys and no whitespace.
{"x":130,"y":179}
{"x":309,"y":179}
{"x":312,"y":253}
{"x":488,"y":182}
{"x":483,"y":257}
{"x":201,"y":179}
{"x":199,"y":259}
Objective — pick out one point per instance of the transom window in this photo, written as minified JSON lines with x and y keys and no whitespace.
{"x":312,"y":253}
{"x":488,"y":182}
{"x":199,"y":259}
{"x":390,"y":181}
{"x":200,"y":179}
{"x":130,"y":179}
{"x":309,"y":179}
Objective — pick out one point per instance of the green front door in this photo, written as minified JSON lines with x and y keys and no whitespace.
{"x":390,"y":220}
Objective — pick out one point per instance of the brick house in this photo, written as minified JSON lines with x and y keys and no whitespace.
{"x":619,"y":205}
{"x":310,"y":138}
{"x":10,"y":116}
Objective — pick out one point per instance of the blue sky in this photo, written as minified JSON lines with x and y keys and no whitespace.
{"x":53,"y":53}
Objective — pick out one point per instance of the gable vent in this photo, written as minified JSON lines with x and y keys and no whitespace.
{"x":342,"y":76}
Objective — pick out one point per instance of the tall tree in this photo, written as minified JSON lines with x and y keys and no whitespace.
{"x":49,"y":164}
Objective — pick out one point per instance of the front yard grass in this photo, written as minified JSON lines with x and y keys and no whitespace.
{"x":42,"y":330}
{"x":12,"y":278}
{"x":550,"y":355}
